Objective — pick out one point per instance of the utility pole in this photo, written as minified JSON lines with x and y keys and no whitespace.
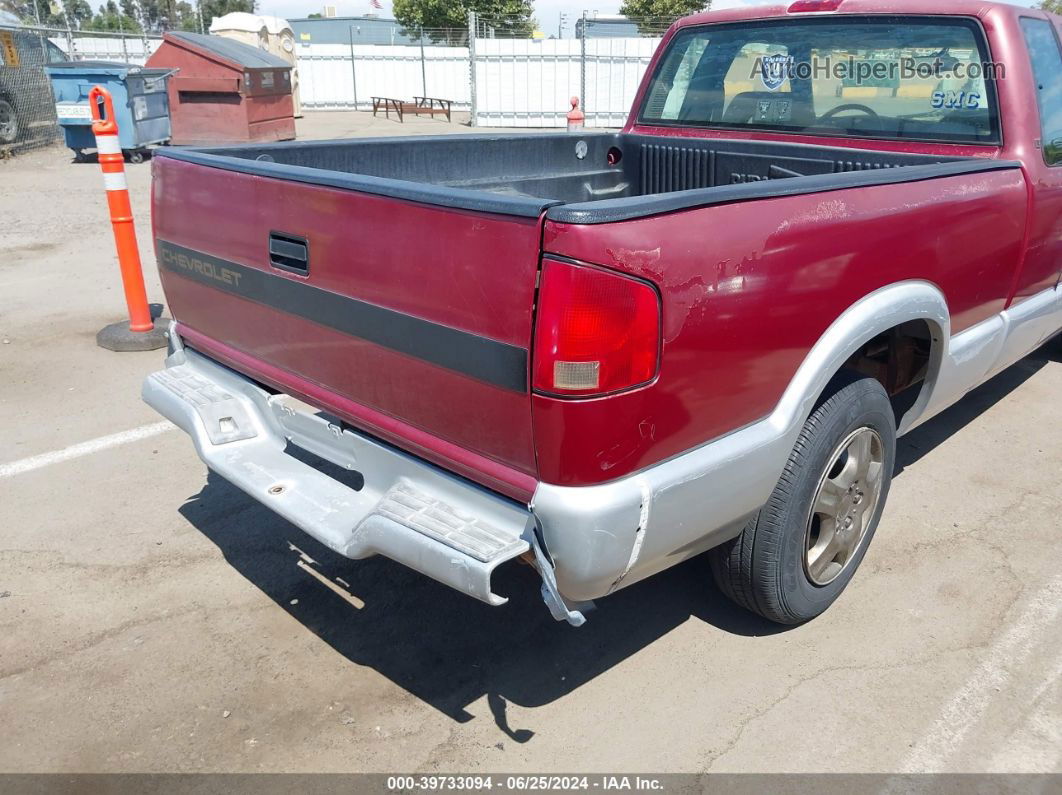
{"x":423,"y":67}
{"x":141,"y":17}
{"x":472,"y":65}
{"x":353,"y":71}
{"x":582,"y":64}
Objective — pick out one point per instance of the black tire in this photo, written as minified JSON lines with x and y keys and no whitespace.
{"x":764,"y":568}
{"x":9,"y":123}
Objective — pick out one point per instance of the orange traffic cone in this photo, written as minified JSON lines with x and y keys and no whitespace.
{"x":140,"y":333}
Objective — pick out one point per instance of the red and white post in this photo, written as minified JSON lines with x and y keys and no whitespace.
{"x":140,"y":333}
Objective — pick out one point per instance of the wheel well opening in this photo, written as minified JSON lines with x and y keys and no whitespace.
{"x":899,"y":360}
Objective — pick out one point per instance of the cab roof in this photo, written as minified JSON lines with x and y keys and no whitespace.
{"x":951,"y":8}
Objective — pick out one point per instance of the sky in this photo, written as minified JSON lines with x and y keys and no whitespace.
{"x":546,"y":11}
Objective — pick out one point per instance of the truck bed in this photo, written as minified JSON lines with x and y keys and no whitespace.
{"x":525,"y":174}
{"x":393,"y":282}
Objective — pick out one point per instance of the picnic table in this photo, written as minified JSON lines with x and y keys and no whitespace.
{"x":420,"y":106}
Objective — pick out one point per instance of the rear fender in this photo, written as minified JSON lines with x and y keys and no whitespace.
{"x":877,"y":313}
{"x":640,"y":524}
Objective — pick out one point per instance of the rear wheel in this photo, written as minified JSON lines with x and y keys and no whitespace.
{"x":9,"y":126}
{"x":802,"y":549}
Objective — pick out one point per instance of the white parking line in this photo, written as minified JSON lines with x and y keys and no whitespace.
{"x":1036,"y":743}
{"x":1002,"y":659}
{"x":84,"y":448}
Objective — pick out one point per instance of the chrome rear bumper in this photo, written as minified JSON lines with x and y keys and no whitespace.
{"x":445,"y":527}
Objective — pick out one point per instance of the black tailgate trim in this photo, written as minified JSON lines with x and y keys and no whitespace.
{"x":488,"y":360}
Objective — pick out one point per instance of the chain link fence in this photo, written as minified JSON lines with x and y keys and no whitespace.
{"x":27,"y":107}
{"x":27,"y":112}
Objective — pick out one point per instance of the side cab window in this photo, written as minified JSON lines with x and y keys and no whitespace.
{"x":1046,"y":57}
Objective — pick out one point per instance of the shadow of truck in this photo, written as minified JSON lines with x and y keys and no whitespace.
{"x":449,"y":650}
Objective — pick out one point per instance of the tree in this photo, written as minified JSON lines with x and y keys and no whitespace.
{"x":128,"y":16}
{"x":654,"y":16}
{"x":219,"y":8}
{"x":162,"y":15}
{"x":446,"y":20}
{"x":76,"y":12}
{"x":1054,"y":6}
{"x":68,"y":13}
{"x":29,"y":11}
{"x":187,"y":17}
{"x":110,"y":17}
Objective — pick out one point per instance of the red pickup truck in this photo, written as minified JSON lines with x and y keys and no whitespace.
{"x":608,"y":352}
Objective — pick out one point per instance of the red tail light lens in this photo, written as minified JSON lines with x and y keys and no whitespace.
{"x":814,"y":5}
{"x":596,"y":332}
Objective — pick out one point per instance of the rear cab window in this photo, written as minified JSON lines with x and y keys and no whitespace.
{"x":1042,"y":42}
{"x":911,"y":78}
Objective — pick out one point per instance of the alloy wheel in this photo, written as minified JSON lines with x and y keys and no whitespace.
{"x":844,"y":505}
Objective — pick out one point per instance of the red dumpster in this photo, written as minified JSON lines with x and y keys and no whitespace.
{"x":225,"y":91}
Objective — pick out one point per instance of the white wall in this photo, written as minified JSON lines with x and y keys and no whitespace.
{"x":614,"y":70}
{"x":519,"y":83}
{"x":327,"y":80}
{"x":107,"y":48}
{"x":529,"y":83}
{"x":522,"y":83}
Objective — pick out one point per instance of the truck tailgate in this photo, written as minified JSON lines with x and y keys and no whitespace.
{"x":408,"y":320}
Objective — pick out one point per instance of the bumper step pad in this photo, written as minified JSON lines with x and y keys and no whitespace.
{"x":435,"y":519}
{"x":408,"y":510}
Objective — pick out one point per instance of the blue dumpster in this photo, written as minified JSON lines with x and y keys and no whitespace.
{"x":141,"y":105}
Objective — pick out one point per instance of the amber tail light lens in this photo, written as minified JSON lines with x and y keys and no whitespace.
{"x":596,"y":331}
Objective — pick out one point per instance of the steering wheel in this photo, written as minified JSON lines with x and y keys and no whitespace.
{"x":851,"y":106}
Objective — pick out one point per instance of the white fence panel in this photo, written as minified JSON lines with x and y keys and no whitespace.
{"x":106,"y":48}
{"x":614,"y":70}
{"x":448,"y":76}
{"x":524,"y":83}
{"x":325,"y":77}
{"x":330,"y":79}
{"x":529,"y":83}
{"x":518,"y":82}
{"x":387,"y":71}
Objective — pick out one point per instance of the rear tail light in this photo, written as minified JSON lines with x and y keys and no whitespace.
{"x":596,"y":331}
